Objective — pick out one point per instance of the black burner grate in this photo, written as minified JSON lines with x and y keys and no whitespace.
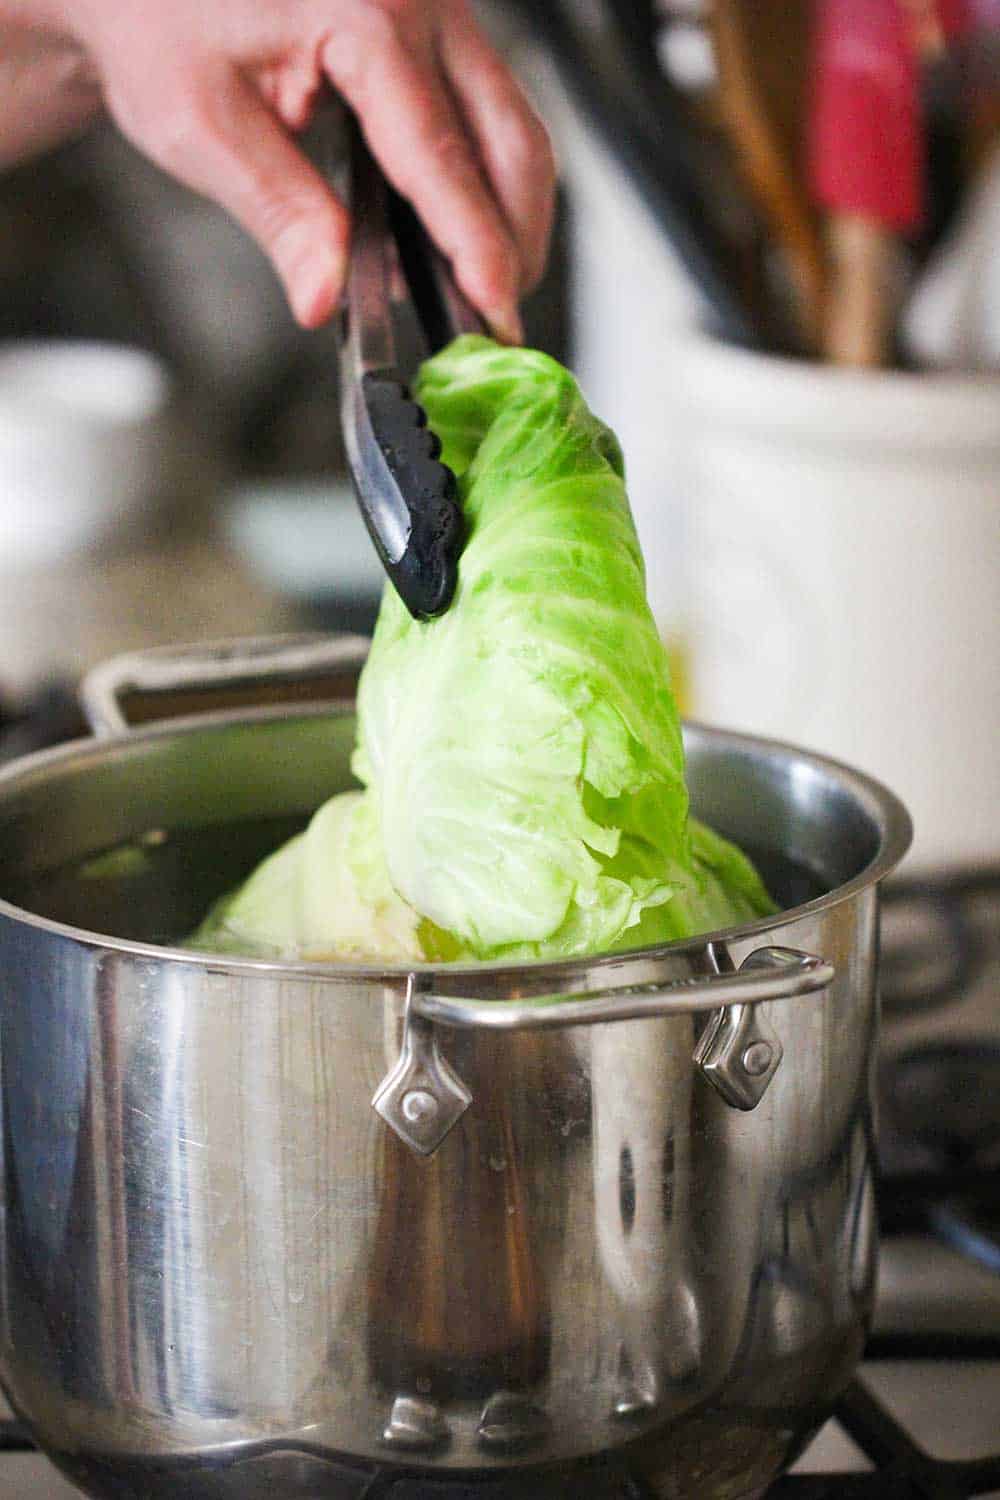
{"x":14,"y":1438}
{"x":903,"y":1471}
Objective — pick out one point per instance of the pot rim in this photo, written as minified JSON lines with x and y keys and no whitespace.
{"x":882,"y":805}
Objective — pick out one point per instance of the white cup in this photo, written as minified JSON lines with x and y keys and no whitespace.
{"x":82,"y":445}
{"x":845,"y":567}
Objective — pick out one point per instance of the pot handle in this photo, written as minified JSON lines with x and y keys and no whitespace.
{"x":222,"y":665}
{"x":767,"y":974}
{"x":738,"y":1052}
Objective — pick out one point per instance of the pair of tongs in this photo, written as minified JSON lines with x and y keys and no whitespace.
{"x":409,"y":499}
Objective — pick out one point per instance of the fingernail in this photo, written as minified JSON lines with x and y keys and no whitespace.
{"x":506,"y":324}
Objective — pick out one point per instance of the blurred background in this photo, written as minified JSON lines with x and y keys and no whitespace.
{"x":776,"y":273}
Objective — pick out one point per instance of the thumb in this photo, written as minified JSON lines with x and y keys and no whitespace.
{"x":215,"y":133}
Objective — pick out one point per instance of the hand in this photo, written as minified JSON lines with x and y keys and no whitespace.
{"x":214,"y":90}
{"x":47,"y":89}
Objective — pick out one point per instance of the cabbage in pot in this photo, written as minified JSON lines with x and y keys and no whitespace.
{"x":520,"y":758}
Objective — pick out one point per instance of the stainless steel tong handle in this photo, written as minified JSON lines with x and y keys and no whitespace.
{"x":408,"y":498}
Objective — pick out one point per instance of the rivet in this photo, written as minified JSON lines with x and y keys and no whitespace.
{"x":510,"y":1422}
{"x":415,"y":1425}
{"x":418,"y":1105}
{"x":757,"y":1058}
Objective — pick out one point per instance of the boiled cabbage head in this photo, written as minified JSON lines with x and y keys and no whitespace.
{"x":520,"y":756}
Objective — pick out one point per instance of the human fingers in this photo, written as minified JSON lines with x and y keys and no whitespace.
{"x":512,"y":142}
{"x":210,"y":128}
{"x":392,"y":81}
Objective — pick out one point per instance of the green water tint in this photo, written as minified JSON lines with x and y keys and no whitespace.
{"x":154,"y":889}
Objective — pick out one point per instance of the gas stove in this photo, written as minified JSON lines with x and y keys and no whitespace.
{"x":922,"y":1418}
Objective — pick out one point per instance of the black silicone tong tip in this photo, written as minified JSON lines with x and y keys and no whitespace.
{"x":408,"y":498}
{"x":426,"y":572}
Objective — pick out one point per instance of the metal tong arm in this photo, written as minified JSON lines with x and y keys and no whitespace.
{"x":370,"y":340}
{"x":442,"y":308}
{"x":386,"y":227}
{"x":408,"y":499}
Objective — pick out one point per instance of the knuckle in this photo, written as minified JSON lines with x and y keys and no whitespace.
{"x":178,"y":130}
{"x":292,"y":224}
{"x":350,"y":52}
{"x":494,"y":271}
{"x":400,"y":11}
{"x":277,"y":225}
{"x":343,"y":61}
{"x":527,"y":146}
{"x":383,"y":25}
{"x":443,"y":158}
{"x":450,"y":151}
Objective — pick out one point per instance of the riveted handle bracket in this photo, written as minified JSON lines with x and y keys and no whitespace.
{"x":422,"y":1098}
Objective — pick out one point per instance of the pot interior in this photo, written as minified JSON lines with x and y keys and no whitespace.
{"x":135,"y":838}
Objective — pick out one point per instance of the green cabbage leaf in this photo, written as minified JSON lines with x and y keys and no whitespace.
{"x":520,"y":757}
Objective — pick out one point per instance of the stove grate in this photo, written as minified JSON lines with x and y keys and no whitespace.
{"x":903,"y":1471}
{"x":14,"y":1438}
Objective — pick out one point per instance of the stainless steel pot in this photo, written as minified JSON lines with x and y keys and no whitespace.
{"x":272,"y":1227}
